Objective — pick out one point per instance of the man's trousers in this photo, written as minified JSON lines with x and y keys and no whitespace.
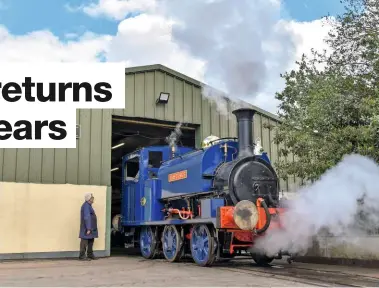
{"x":86,"y":248}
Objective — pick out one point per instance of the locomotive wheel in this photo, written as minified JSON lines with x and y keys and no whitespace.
{"x":148,"y":242}
{"x":202,"y":245}
{"x":262,"y":260}
{"x":172,"y":243}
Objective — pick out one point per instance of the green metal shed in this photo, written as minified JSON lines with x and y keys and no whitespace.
{"x":90,"y":162}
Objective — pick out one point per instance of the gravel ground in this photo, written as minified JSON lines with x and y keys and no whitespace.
{"x":136,"y":271}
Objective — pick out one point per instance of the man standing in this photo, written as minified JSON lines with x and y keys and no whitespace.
{"x":88,"y":228}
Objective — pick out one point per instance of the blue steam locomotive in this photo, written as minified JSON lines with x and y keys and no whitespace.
{"x":210,"y":203}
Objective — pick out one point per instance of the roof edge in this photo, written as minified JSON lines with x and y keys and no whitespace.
{"x":159,"y":67}
{"x":162,"y":68}
{"x":263,"y":112}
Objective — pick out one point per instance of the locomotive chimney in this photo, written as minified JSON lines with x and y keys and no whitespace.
{"x":245,"y":130}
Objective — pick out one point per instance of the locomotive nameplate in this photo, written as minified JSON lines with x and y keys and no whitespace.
{"x":180,"y":175}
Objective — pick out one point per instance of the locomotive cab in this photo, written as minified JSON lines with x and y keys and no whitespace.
{"x":140,"y":179}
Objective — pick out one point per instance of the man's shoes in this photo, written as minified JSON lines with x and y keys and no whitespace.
{"x":93,"y":258}
{"x":84,"y":259}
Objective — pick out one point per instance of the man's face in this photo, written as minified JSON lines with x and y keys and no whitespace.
{"x":91,"y":200}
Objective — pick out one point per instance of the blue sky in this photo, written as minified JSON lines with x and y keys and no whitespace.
{"x":23,"y":16}
{"x":20,"y":17}
{"x":308,"y":10}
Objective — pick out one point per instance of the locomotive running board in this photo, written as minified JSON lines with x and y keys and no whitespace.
{"x":186,"y":195}
{"x":172,"y":222}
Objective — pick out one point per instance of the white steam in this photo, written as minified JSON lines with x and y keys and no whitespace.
{"x":240,"y":41}
{"x":174,"y":137}
{"x":218,"y":98}
{"x":223,"y":103}
{"x":345,"y":202}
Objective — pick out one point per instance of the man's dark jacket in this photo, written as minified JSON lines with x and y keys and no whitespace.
{"x":88,"y":221}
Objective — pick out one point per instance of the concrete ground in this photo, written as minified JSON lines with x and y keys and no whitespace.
{"x":136,"y":271}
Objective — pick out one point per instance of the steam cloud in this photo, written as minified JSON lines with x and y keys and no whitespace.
{"x":240,"y":41}
{"x":173,"y":138}
{"x":345,"y":202}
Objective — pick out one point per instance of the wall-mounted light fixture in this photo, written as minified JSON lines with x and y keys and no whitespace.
{"x":78,"y":130}
{"x":163,"y":98}
{"x":118,"y":145}
{"x":114,"y":169}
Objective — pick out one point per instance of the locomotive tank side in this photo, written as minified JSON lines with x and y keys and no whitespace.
{"x":193,"y":172}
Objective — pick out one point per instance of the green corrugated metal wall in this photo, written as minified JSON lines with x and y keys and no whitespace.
{"x":90,"y":162}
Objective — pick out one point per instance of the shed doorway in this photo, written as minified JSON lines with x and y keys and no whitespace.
{"x":130,"y":134}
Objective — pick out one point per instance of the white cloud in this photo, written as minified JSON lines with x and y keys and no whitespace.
{"x":187,"y":36}
{"x":149,"y":38}
{"x":146,"y":40}
{"x":115,"y":9}
{"x":44,"y":46}
{"x":307,"y":35}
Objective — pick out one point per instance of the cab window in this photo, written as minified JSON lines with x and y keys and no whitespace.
{"x":131,"y":169}
{"x":155,"y":159}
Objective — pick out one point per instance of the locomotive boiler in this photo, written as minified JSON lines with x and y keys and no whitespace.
{"x":210,"y":203}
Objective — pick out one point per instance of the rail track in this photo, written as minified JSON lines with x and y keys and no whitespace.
{"x":320,"y":277}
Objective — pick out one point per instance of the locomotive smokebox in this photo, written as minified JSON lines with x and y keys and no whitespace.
{"x":248,"y":176}
{"x":245,"y":118}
